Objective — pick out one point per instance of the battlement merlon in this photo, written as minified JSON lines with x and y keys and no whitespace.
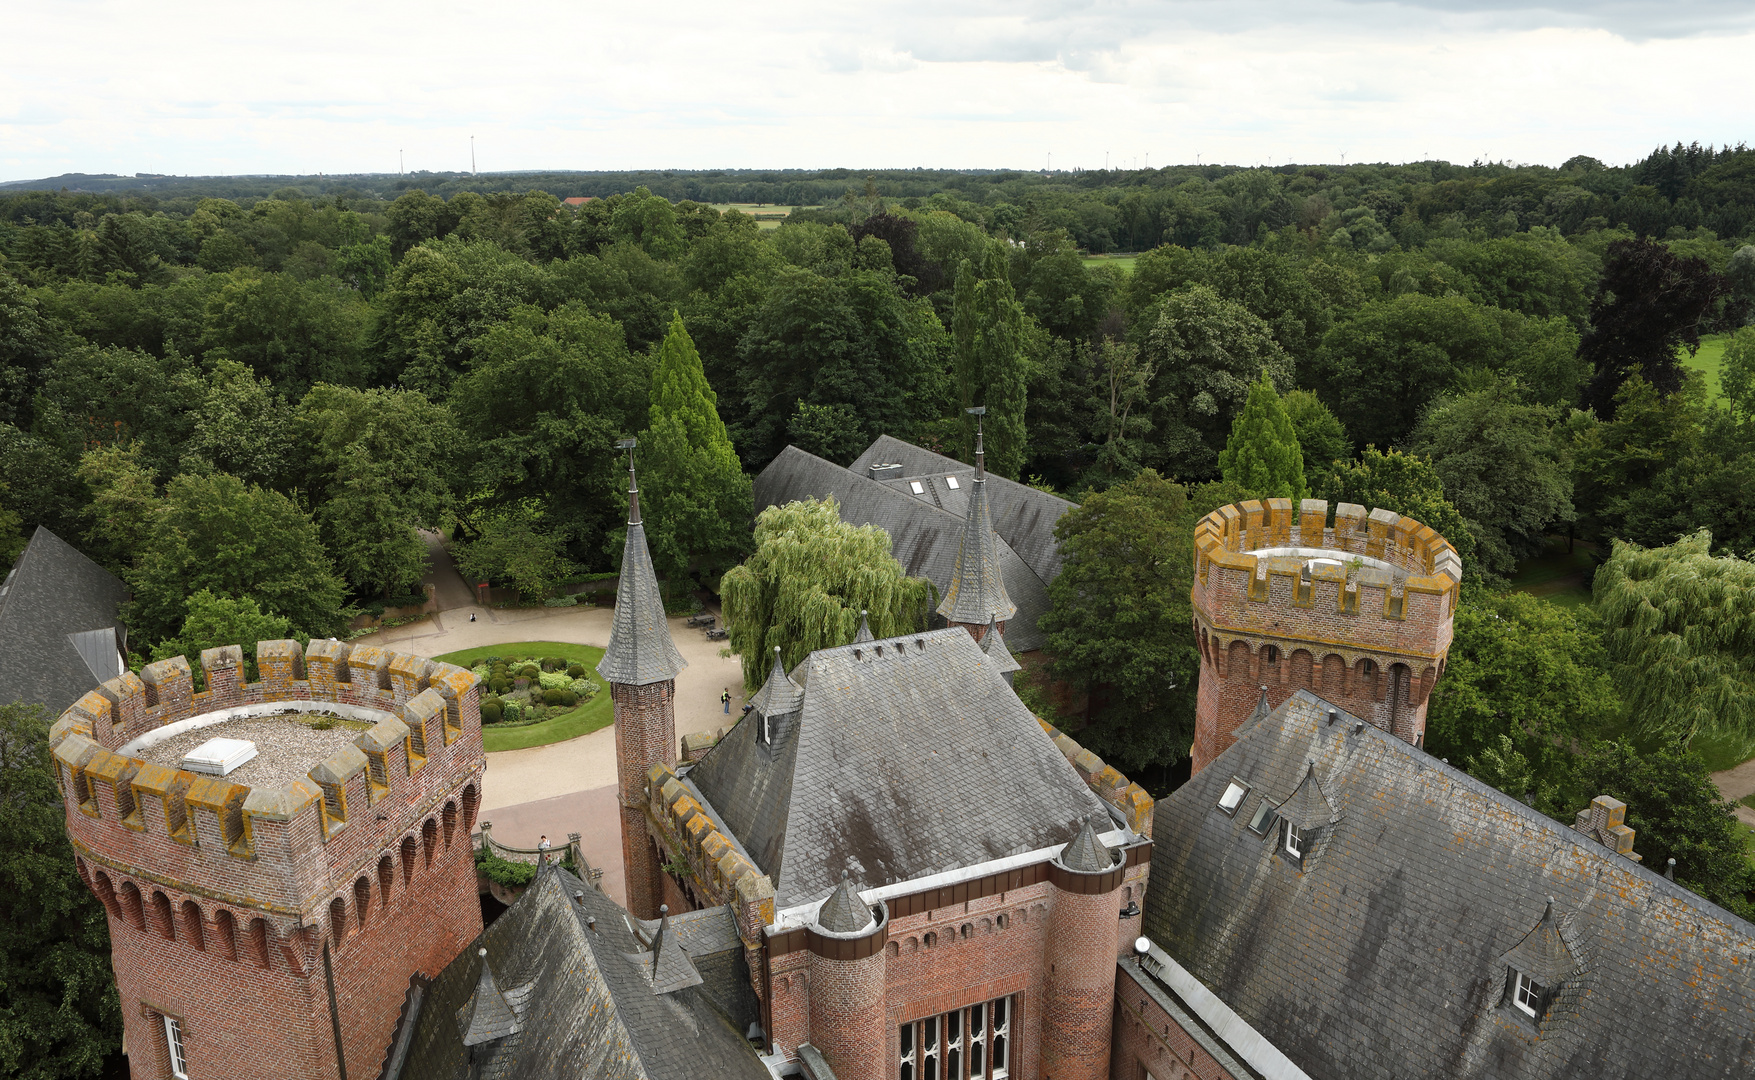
{"x":277,"y":846}
{"x":1358,"y":562}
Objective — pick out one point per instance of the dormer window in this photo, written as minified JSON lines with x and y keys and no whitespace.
{"x":951,"y":482}
{"x":1527,"y":995}
{"x":1295,"y":841}
{"x":1233,"y":796}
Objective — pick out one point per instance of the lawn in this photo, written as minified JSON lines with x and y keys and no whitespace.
{"x":1707,"y":361}
{"x":1123,"y":262}
{"x":1557,"y":575}
{"x":765,"y":209}
{"x":592,"y":715}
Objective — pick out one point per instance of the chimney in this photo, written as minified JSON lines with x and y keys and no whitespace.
{"x":889,"y":470}
{"x":1603,"y":821}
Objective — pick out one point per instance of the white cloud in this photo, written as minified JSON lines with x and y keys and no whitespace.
{"x":201,"y":87}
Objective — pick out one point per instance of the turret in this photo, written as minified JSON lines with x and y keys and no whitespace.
{"x":1355,"y":607}
{"x":641,"y":665}
{"x":976,"y":595}
{"x":848,"y":1024}
{"x":257,"y":843}
{"x":1078,"y":995}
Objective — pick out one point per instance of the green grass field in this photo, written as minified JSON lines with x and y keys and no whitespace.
{"x":591,"y":716}
{"x":1707,"y":361}
{"x":753,"y":209}
{"x":1124,"y":262}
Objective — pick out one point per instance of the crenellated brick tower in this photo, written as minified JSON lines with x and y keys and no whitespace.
{"x":976,"y":598}
{"x":641,"y":666}
{"x":1355,"y":607}
{"x":271,"y":930}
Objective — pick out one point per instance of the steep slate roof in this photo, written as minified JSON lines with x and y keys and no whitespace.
{"x":994,"y":647}
{"x":1023,"y":516}
{"x":640,"y":649}
{"x":923,"y":536}
{"x":911,"y":756}
{"x":1384,"y":954}
{"x":843,"y":912}
{"x":1086,"y":853}
{"x":589,"y":1008}
{"x":53,"y":594}
{"x":976,"y":594}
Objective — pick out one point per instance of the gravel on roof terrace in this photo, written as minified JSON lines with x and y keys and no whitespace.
{"x":288,"y":747}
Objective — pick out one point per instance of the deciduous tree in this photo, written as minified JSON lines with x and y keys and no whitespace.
{"x":987,"y":327}
{"x":1408,"y":485}
{"x":1650,"y":305}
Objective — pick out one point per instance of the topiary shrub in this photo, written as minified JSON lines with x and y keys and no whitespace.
{"x":529,"y":671}
{"x":512,"y":713}
{"x":568,"y":698}
{"x":575,"y":671}
{"x":491,"y":712}
{"x":583,"y":687}
{"x":551,"y":697}
{"x":493,"y":661}
{"x":499,"y":684}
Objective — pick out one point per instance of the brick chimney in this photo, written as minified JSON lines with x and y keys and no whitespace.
{"x":1602,"y":821}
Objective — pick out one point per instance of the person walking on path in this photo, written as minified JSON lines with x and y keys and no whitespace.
{"x":725,"y":700}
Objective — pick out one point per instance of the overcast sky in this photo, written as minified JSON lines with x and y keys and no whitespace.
{"x":323,"y":86}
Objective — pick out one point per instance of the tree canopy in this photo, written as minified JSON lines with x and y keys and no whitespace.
{"x":1263,"y":452}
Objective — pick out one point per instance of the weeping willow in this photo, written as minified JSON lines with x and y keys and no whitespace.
{"x":805,"y":586}
{"x":1681,"y":627}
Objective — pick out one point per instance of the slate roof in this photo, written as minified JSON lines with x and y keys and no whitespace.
{"x":923,"y":536}
{"x":1383,"y":954}
{"x":976,"y":594}
{"x":640,"y":649}
{"x":50,"y":601}
{"x":487,"y":1015}
{"x":779,"y":695}
{"x":1086,"y":853}
{"x":863,"y":634}
{"x":1023,"y":516}
{"x":844,"y":912}
{"x":589,"y":1008}
{"x":911,"y":756}
{"x":994,"y":647}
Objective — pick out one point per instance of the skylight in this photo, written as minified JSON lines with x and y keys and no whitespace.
{"x":951,"y":482}
{"x":1258,"y":824}
{"x":917,"y":487}
{"x":1233,"y":797}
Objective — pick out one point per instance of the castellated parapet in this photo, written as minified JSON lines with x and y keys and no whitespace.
{"x":234,"y":908}
{"x":1355,"y":606}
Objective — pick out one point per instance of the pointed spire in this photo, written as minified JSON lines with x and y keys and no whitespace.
{"x":671,"y":967}
{"x":977,"y":590}
{"x":1309,"y":808}
{"x":993,"y":644}
{"x":779,"y":695}
{"x":640,"y":651}
{"x":1261,"y":706}
{"x":1086,"y":853}
{"x":486,"y":1016}
{"x":864,"y":633}
{"x":844,"y":912}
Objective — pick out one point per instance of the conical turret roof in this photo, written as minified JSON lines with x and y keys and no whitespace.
{"x":864,"y":633}
{"x":844,"y":912}
{"x":486,"y":1016}
{"x":1086,"y":853}
{"x":640,"y":651}
{"x":1309,"y":808}
{"x":977,"y":590}
{"x":993,"y":644}
{"x":671,"y":967}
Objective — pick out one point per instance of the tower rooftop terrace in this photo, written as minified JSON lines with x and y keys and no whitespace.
{"x":289,"y":744}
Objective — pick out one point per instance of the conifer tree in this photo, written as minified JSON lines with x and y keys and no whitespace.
{"x":810,"y":577}
{"x":696,"y":495}
{"x":987,"y":326}
{"x":1263,"y":454}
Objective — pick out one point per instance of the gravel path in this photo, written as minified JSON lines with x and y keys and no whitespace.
{"x":285,"y":748}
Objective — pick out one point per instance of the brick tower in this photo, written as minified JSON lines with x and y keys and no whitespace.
{"x":641,"y":666}
{"x":271,"y":929}
{"x":976,"y":596}
{"x":1355,"y":607}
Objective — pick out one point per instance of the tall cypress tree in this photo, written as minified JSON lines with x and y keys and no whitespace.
{"x":697,"y":497}
{"x":1262,"y":453}
{"x":987,"y":326}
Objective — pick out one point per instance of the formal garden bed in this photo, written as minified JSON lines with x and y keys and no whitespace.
{"x":537,"y":692}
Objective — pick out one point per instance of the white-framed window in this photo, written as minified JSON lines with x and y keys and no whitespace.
{"x":174,"y":1043}
{"x":1233,"y":796}
{"x":951,"y":482}
{"x":972,"y":1043}
{"x":1527,"y":995}
{"x":1294,"y":841}
{"x":916,"y":487}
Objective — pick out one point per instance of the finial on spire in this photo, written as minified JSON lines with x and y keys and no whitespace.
{"x":980,"y":452}
{"x":633,"y":487}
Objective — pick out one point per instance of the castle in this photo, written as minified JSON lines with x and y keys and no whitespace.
{"x":889,"y":868}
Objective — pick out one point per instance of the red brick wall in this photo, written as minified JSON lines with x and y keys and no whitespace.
{"x":1148,"y":1039}
{"x":645,"y":735}
{"x":846,"y":1017}
{"x":1079,"y":992}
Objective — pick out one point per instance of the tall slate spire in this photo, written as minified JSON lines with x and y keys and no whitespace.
{"x":640,"y":650}
{"x":977,"y":591}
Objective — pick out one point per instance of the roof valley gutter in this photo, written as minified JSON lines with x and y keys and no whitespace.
{"x":803,"y":914}
{"x":1243,"y":1040}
